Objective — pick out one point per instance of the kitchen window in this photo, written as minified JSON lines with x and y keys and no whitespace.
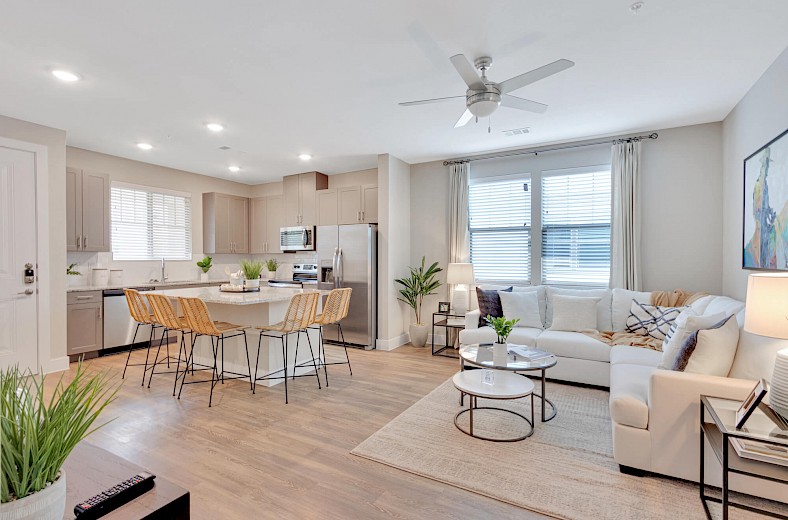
{"x":575,"y":209}
{"x":150,"y":223}
{"x":500,"y":228}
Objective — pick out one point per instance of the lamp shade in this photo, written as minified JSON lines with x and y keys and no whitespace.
{"x":767,"y":305}
{"x":460,"y":273}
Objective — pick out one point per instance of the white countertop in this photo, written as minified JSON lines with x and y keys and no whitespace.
{"x":214,"y":295}
{"x":81,"y":288}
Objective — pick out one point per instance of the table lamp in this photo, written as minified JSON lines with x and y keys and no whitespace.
{"x":460,"y":275}
{"x":767,"y":315}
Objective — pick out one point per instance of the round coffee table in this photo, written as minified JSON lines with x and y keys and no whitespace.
{"x":505,"y":386}
{"x":482,"y":356}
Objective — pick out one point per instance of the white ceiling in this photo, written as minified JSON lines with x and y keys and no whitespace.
{"x":325,"y":77}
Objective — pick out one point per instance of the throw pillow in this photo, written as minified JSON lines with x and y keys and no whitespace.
{"x":489,"y":304}
{"x":574,"y":313}
{"x":709,"y":351}
{"x":651,"y":320}
{"x":687,"y":322}
{"x":523,"y":306}
{"x":604,"y":320}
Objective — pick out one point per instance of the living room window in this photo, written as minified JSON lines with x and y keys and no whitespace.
{"x":500,"y":228}
{"x":575,"y":209}
{"x":150,"y":223}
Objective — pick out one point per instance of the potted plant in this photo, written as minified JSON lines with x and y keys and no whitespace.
{"x":502,"y":328}
{"x":251,"y":272}
{"x":205,"y":265}
{"x":37,"y":435}
{"x":72,"y":274}
{"x":272,"y":265}
{"x":419,"y":284}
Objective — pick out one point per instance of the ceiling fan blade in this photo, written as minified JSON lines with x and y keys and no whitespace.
{"x":427,"y":101}
{"x":464,"y":118}
{"x":467,"y":72}
{"x":535,"y":75}
{"x":511,"y":101}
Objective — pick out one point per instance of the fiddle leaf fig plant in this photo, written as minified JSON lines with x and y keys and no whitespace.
{"x":419,"y":284}
{"x":205,"y":264}
{"x":501,"y":326}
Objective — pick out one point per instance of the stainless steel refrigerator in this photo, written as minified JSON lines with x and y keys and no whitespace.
{"x":347,"y":256}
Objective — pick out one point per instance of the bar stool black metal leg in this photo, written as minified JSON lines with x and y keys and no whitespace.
{"x":215,"y":373}
{"x":312,"y":353}
{"x":147,"y":353}
{"x":342,"y":335}
{"x":284,"y":356}
{"x":131,"y":347}
{"x":166,"y":334}
{"x":222,"y":356}
{"x":248,"y":363}
{"x":295,"y":357}
{"x":181,"y":351}
{"x":189,"y":360}
{"x":257,"y":363}
{"x":323,"y":356}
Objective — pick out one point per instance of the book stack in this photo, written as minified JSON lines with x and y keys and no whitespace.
{"x":749,"y":449}
{"x":529,"y":354}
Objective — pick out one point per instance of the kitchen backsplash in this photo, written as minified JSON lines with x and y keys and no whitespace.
{"x":137,"y":272}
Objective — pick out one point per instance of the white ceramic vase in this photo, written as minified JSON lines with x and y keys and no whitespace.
{"x":204,"y":277}
{"x":47,"y":504}
{"x":272,"y":275}
{"x":500,"y":354}
{"x":418,"y":335}
{"x":252,"y":284}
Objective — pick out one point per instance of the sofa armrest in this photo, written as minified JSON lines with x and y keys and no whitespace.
{"x":472,"y":319}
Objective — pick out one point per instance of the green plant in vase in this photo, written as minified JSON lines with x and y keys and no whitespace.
{"x":252,"y":271}
{"x":271,"y":265}
{"x":501,"y":326}
{"x":205,"y":264}
{"x":420,"y":283}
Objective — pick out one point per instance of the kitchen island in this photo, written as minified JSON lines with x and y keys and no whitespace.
{"x":264,"y":307}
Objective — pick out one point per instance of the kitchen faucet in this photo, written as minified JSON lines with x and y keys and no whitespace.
{"x":163,"y":276}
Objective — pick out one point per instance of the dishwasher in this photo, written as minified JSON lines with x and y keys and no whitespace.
{"x":118,"y":325}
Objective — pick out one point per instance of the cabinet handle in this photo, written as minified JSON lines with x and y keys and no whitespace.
{"x":98,"y":312}
{"x":85,"y":241}
{"x":79,"y":240}
{"x":84,"y":297}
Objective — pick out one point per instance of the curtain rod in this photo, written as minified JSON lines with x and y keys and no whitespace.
{"x":632,"y":139}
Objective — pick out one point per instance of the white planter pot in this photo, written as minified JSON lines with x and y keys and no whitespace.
{"x":253,"y":284}
{"x":272,"y":275}
{"x":500,"y":354}
{"x":418,"y":335}
{"x":204,"y":277}
{"x":75,"y":280}
{"x":47,"y":504}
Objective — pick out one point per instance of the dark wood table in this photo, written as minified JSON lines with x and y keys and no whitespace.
{"x":90,"y":470}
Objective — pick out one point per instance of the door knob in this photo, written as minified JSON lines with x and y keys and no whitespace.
{"x":27,"y":292}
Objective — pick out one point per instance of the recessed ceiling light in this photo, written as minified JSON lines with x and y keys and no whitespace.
{"x":637,"y":6}
{"x":144,"y":146}
{"x":304,"y":156}
{"x":64,"y":75}
{"x":234,"y":169}
{"x":214,"y":127}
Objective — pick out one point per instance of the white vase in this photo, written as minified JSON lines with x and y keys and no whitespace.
{"x":272,"y":275}
{"x":500,"y":354}
{"x":418,"y":335}
{"x":47,"y":504}
{"x":252,"y":284}
{"x":204,"y":277}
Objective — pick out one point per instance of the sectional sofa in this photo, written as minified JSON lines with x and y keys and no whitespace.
{"x":654,"y":412}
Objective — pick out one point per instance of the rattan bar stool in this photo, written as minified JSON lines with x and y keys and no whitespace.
{"x":300,"y":314}
{"x":334,"y":311}
{"x":164,"y":312}
{"x":199,"y":321}
{"x":141,"y":316}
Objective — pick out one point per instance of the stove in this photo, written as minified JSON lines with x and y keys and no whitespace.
{"x":303,"y":275}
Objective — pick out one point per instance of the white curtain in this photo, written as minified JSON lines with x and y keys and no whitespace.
{"x":459,"y":245}
{"x":625,"y":225}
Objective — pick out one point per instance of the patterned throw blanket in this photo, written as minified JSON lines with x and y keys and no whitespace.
{"x":677,"y":298}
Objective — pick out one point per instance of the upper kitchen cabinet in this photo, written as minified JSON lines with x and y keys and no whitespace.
{"x":225,"y":223}
{"x":300,"y":197}
{"x":87,"y":211}
{"x":266,"y":217}
{"x":358,"y":204}
{"x":327,"y":207}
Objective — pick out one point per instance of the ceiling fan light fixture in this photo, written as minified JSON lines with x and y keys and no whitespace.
{"x":484,"y":103}
{"x":305,"y":156}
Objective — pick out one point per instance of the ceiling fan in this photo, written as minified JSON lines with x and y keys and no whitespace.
{"x":484,"y":96}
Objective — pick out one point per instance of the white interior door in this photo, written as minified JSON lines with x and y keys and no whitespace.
{"x":18,"y":300}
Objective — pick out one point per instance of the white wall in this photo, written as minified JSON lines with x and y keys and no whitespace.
{"x":55,"y":141}
{"x":758,"y":118}
{"x":682,"y":200}
{"x":394,"y":243}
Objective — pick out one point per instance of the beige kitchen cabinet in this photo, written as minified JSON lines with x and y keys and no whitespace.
{"x":266,"y":217}
{"x":358,"y":204}
{"x":225,"y":220}
{"x":327,"y":207}
{"x":87,"y":211}
{"x":300,"y":197}
{"x":84,"y":323}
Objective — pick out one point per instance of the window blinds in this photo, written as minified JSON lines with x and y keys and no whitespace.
{"x":149,"y":223}
{"x":576,"y":227}
{"x":500,"y":228}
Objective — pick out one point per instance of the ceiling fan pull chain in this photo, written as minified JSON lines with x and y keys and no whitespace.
{"x":489,"y":124}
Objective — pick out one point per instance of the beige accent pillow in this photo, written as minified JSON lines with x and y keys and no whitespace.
{"x":574,"y":313}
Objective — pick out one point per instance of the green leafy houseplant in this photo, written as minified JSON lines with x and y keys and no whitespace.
{"x":37,"y":434}
{"x":205,"y":264}
{"x":251,"y":269}
{"x":419,"y":284}
{"x":501,"y":326}
{"x":271,"y":264}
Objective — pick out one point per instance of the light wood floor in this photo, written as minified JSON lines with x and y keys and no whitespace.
{"x":252,"y":456}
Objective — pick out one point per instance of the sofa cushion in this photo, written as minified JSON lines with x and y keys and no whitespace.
{"x":540,"y":290}
{"x":604,"y":321}
{"x":634,"y":356}
{"x":629,"y":394}
{"x":685,"y":324}
{"x":651,"y":320}
{"x":524,"y":336}
{"x":724,"y":304}
{"x":523,"y":306}
{"x":621,"y":304}
{"x":573,"y":345}
{"x":573,"y":313}
{"x":489,"y":304}
{"x":709,"y":351}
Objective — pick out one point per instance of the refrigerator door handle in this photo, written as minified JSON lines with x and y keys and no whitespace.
{"x":341,"y":268}
{"x":335,"y":268}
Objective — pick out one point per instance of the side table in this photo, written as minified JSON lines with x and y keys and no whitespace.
{"x":446,"y":320}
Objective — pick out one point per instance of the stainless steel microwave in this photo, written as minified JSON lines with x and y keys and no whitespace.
{"x":298,"y":238}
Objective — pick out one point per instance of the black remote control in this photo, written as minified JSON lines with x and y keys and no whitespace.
{"x":114,"y":497}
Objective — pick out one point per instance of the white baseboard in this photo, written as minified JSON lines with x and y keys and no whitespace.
{"x":56,"y":365}
{"x":391,"y":344}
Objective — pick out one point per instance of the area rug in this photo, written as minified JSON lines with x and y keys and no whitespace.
{"x":565,"y":470}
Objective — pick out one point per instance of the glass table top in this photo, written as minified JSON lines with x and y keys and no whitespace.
{"x":482,"y":355}
{"x":759,"y":425}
